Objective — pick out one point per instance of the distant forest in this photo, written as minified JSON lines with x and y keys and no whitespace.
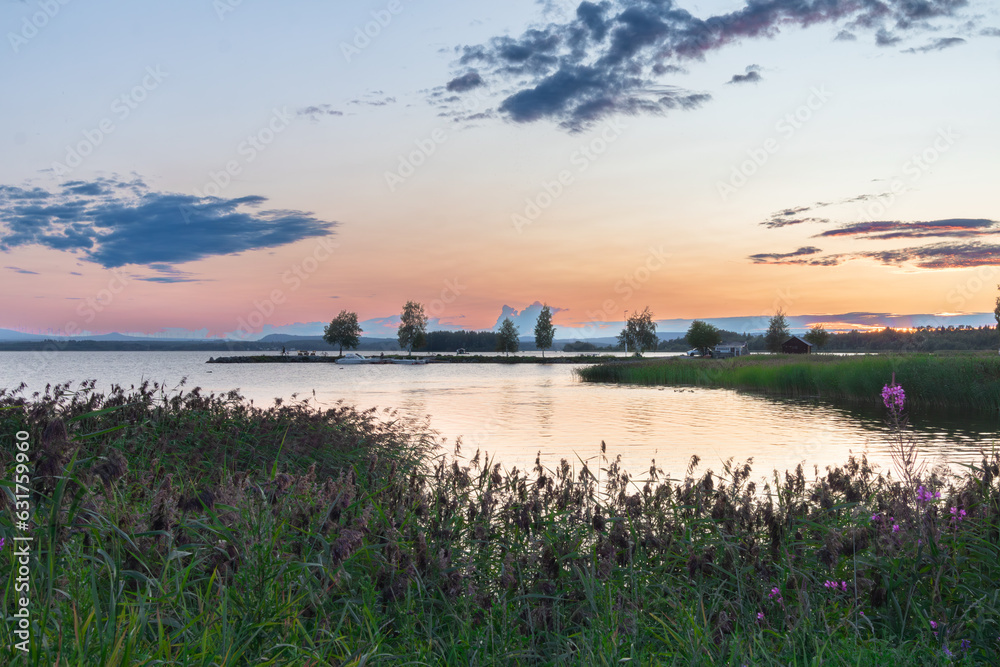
{"x":923,"y":339}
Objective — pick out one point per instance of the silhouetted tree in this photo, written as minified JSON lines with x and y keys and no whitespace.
{"x":343,"y":330}
{"x":544,"y":331}
{"x":818,"y":336}
{"x":507,"y":337}
{"x":703,"y":336}
{"x":639,"y":333}
{"x":412,"y":327}
{"x":777,"y":332}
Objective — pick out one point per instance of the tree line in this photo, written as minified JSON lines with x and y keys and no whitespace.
{"x":344,"y":331}
{"x":639,"y":335}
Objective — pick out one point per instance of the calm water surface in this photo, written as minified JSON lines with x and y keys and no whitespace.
{"x":514,"y":412}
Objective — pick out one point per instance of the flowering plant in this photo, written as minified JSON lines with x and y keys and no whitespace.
{"x":893,"y":397}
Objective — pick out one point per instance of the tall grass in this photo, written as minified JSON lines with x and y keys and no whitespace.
{"x":967,"y":382}
{"x":189,"y":529}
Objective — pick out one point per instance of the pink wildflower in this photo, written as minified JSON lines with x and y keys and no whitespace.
{"x":893,"y":397}
{"x":925,"y":496}
{"x":895,"y":527}
{"x":760,"y":616}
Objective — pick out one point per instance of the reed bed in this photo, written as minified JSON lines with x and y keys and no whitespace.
{"x":182,"y":529}
{"x":956,"y":382}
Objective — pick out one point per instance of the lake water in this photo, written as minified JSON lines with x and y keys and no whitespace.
{"x":515,"y":411}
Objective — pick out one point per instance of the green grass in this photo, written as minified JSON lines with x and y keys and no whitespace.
{"x":965,"y":382}
{"x":197,"y":530}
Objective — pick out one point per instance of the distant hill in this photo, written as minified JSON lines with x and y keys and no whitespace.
{"x":9,"y":334}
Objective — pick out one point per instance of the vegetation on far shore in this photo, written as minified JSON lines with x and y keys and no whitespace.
{"x":183,"y":528}
{"x":967,"y":382}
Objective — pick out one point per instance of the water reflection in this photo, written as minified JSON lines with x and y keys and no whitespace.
{"x":516,"y":411}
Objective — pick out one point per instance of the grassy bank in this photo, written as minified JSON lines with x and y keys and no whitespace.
{"x":191,"y":529}
{"x":954,"y":381}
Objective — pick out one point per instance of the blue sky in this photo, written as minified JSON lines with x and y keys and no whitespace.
{"x":273,"y":163}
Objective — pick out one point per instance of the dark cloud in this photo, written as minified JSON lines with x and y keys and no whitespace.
{"x":885,"y":38}
{"x":316,"y":112}
{"x":14,"y":193}
{"x":894,"y":229}
{"x":606,"y":58}
{"x":940,"y":256}
{"x":128,"y":223}
{"x":18,"y":269}
{"x":937,"y":45}
{"x":781,"y":258}
{"x":846,"y":36}
{"x":465,"y":82}
{"x":752,"y":75}
{"x":990,"y":32}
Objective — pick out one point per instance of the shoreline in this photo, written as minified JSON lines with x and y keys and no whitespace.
{"x":390,"y":359}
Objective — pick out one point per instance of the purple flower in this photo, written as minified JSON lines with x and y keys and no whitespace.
{"x":934,"y":624}
{"x":843,"y":586}
{"x":1,"y":542}
{"x":948,"y":654}
{"x":895,"y":527}
{"x":925,"y":496}
{"x":957,"y":514}
{"x":760,"y":616}
{"x":876,"y":517}
{"x":966,"y":644}
{"x":893,"y":397}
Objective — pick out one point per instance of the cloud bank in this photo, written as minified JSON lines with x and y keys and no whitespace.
{"x":609,"y":56}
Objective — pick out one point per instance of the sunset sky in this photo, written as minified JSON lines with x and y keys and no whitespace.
{"x":194,"y":168}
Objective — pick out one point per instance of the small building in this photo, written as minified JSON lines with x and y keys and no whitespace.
{"x":796,"y":345}
{"x":724,"y":350}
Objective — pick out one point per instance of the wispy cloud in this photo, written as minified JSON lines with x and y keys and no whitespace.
{"x":18,"y":269}
{"x":936,"y":45}
{"x":114,"y":223}
{"x":784,"y":257}
{"x":315,"y":112}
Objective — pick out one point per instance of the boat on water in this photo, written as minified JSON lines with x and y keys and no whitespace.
{"x":410,"y":362}
{"x":354,"y":358}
